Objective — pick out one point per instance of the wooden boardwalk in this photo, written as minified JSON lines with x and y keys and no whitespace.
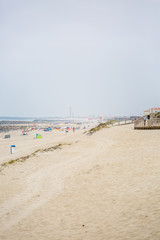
{"x":149,"y":124}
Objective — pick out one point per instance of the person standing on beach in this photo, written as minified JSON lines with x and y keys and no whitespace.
{"x":144,"y":120}
{"x":148,"y":120}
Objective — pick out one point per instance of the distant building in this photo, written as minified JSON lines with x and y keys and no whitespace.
{"x":100,"y":118}
{"x":151,"y":110}
{"x":121,"y":118}
{"x":134,"y":117}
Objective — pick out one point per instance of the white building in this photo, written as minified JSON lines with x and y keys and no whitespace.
{"x":151,"y":110}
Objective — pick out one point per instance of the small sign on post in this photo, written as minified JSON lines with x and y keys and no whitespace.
{"x":12,"y":149}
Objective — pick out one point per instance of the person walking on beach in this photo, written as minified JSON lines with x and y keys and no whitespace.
{"x":144,"y":120}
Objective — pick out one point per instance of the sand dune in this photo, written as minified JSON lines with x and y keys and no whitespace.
{"x":104,"y":186}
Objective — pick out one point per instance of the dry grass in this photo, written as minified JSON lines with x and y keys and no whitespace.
{"x":100,"y":126}
{"x":97,"y":128}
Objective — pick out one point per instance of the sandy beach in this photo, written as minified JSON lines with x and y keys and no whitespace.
{"x":104,"y":187}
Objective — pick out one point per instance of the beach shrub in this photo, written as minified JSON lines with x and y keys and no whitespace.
{"x":97,"y":128}
{"x":100,"y":126}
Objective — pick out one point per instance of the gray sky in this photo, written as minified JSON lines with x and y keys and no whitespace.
{"x":100,"y":57}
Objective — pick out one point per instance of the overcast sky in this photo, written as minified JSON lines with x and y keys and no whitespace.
{"x":101,"y":57}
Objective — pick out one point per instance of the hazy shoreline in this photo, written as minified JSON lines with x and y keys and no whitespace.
{"x":11,"y":125}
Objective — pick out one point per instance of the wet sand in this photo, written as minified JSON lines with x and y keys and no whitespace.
{"x":103,"y":186}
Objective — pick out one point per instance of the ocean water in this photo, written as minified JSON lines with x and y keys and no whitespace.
{"x":16,"y":119}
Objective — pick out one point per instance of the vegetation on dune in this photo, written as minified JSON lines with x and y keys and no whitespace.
{"x":100,"y":126}
{"x":155,"y":115}
{"x":22,"y":159}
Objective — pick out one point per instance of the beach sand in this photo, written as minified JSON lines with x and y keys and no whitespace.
{"x":103,"y":186}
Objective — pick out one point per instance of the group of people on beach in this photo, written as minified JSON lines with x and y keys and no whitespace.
{"x":146,"y":118}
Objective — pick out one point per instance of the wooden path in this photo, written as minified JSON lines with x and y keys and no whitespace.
{"x":149,"y":124}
